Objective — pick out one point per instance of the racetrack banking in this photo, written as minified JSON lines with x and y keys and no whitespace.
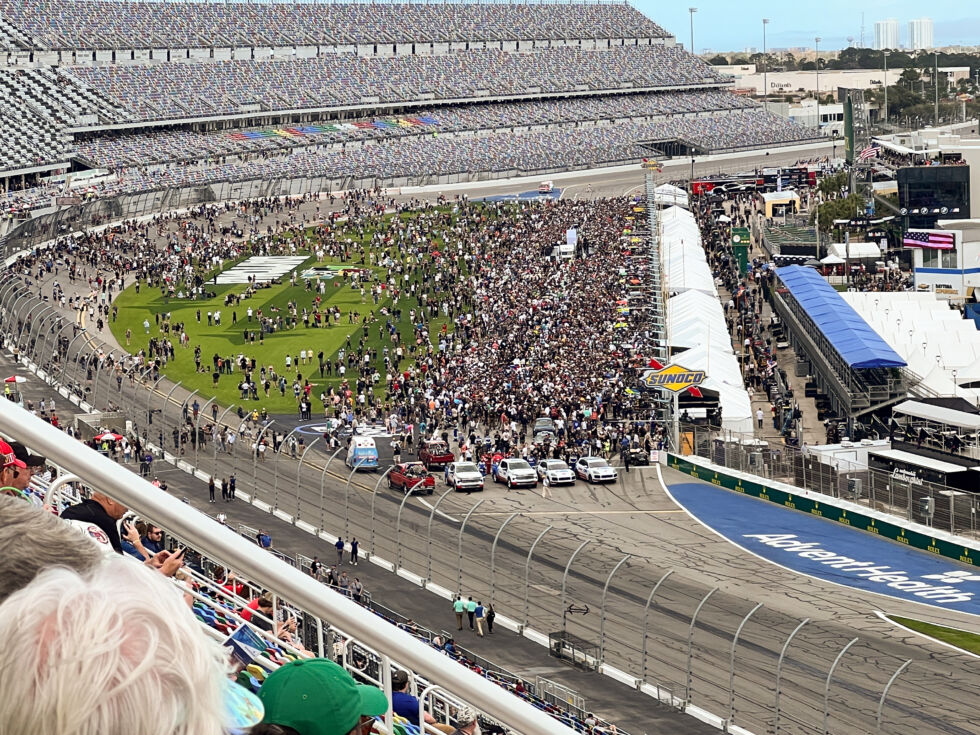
{"x":883,"y":574}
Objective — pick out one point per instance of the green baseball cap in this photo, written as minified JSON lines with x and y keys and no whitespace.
{"x":317,"y":697}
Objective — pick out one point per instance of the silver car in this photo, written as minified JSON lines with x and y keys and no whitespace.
{"x":464,"y":476}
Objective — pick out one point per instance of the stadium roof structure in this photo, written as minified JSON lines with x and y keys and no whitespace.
{"x":859,"y":345}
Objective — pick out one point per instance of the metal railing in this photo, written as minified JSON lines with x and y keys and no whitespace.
{"x":903,"y":496}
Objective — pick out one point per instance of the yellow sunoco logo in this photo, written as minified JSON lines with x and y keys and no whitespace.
{"x":673,"y":378}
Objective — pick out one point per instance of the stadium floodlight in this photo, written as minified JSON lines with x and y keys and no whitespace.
{"x":692,"y":11}
{"x":765,"y":69}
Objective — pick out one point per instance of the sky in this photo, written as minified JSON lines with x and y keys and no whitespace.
{"x":734,"y":26}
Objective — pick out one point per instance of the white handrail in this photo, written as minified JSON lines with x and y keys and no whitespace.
{"x":224,"y":545}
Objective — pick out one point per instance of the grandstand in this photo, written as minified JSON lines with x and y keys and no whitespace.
{"x":191,"y":94}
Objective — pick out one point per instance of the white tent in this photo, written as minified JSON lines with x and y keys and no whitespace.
{"x":670,"y":195}
{"x":855,"y":251}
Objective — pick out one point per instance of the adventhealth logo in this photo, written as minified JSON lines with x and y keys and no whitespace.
{"x":894,"y":578}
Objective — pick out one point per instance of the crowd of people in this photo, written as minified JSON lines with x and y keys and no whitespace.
{"x":417,"y":158}
{"x":65,"y":24}
{"x":143,"y":149}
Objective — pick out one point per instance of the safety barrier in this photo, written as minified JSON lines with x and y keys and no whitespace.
{"x":832,"y":509}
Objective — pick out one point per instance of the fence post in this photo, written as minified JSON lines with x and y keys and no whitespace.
{"x":527,"y":573}
{"x":884,"y":695}
{"x":731,"y":665}
{"x":398,"y":532}
{"x":299,"y":470}
{"x":357,"y":466}
{"x":493,"y":554}
{"x":255,"y":460}
{"x":197,"y":431}
{"x":459,"y":546}
{"x":374,"y":496}
{"x":602,"y":612}
{"x":323,"y":474}
{"x":64,"y":364}
{"x":564,"y":578}
{"x":646,"y":617}
{"x":214,"y":444}
{"x":826,"y":688}
{"x":428,"y":536}
{"x":275,"y":474}
{"x":690,"y":644}
{"x":149,"y":395}
{"x":779,"y":669}
{"x":163,"y":414}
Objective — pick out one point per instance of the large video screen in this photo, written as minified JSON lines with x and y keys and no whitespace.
{"x":930,"y":193}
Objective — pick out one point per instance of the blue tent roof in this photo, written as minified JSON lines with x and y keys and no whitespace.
{"x":855,"y":341}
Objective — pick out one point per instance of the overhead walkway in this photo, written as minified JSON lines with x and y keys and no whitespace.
{"x":847,"y":359}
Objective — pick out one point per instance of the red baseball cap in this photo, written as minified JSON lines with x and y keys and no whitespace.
{"x":9,"y":458}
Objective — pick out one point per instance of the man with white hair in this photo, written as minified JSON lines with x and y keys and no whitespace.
{"x":467,"y":722}
{"x":113,"y":652}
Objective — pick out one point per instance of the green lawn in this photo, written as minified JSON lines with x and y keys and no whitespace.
{"x":959,"y":638}
{"x":228,"y":339}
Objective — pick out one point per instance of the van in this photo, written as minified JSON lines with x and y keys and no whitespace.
{"x":362,"y":454}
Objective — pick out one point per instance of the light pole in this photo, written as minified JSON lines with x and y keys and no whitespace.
{"x":765,"y":69}
{"x":692,"y":11}
{"x":936,"y":79}
{"x":885,"y":54}
{"x":816,"y":63}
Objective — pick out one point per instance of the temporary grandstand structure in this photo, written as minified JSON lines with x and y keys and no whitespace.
{"x":221,"y":544}
{"x":942,"y":348}
{"x":849,"y":361}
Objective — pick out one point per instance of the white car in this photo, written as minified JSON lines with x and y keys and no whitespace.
{"x":515,"y":472}
{"x":464,"y":476}
{"x":557,"y":472}
{"x":595,"y":469}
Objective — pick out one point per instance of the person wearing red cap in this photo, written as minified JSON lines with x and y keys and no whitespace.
{"x":14,"y":475}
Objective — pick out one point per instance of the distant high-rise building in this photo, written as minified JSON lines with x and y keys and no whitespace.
{"x":886,"y":34}
{"x":920,"y":34}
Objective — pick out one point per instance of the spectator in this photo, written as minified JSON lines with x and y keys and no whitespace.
{"x":102,"y":511}
{"x":14,"y":476}
{"x":32,"y":540}
{"x":467,"y":722}
{"x":317,"y":697}
{"x":262,"y":604}
{"x":114,"y":652}
{"x":407,"y":706}
{"x":264,"y":540}
{"x":153,"y":539}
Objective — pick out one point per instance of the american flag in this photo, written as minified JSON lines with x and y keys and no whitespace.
{"x":929,"y":239}
{"x":872,"y":151}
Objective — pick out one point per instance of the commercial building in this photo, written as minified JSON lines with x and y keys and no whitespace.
{"x":886,"y":34}
{"x":920,"y":34}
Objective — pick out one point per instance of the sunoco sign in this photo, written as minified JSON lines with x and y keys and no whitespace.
{"x":674,"y":378}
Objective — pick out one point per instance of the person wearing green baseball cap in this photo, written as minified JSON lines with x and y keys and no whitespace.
{"x":317,"y":697}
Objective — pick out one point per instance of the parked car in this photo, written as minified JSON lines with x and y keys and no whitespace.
{"x":514,"y":472}
{"x":543,"y":423}
{"x":411,"y":477}
{"x":465,"y":476}
{"x":557,"y":472}
{"x":595,"y":469}
{"x":435,"y":453}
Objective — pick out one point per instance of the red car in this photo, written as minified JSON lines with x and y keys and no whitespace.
{"x":435,"y":453}
{"x":411,"y":477}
